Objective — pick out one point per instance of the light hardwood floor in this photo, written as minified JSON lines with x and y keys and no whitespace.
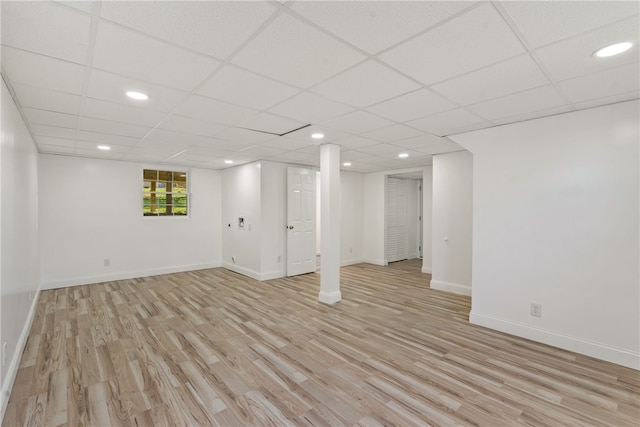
{"x":212,"y":347}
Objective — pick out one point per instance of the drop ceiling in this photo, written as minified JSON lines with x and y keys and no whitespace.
{"x":377,"y":78}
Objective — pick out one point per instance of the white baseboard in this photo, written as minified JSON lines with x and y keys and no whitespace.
{"x":598,"y":350}
{"x":241,"y":270}
{"x":375,"y":261}
{"x":426,"y":269}
{"x":329,"y":297}
{"x":12,"y":370}
{"x":351,"y":262}
{"x":451,"y":287}
{"x":76,"y":281}
{"x":271,"y":275}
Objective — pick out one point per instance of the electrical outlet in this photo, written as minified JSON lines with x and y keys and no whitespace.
{"x":536,"y":310}
{"x":107,"y":262}
{"x":4,"y":353}
{"x":279,"y":259}
{"x":350,"y":250}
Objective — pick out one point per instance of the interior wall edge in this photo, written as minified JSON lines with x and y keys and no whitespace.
{"x":619,"y":356}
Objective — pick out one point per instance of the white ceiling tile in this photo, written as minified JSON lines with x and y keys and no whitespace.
{"x":304,"y":134}
{"x":528,"y":101}
{"x":475,"y":39}
{"x":546,"y":22}
{"x":61,"y":142}
{"x":606,"y":83}
{"x":421,"y":141}
{"x":416,"y":104}
{"x":84,"y":6}
{"x":573,"y":57}
{"x":537,"y":114}
{"x":248,"y":136}
{"x":46,"y":28}
{"x":134,"y":55}
{"x":444,"y":146}
{"x":355,"y":142}
{"x":45,"y":99}
{"x":353,"y":155}
{"x":210,"y":110}
{"x":287,"y":143}
{"x":267,"y":122}
{"x":214,"y":28}
{"x":113,"y":88}
{"x":174,"y":137}
{"x":51,"y":118}
{"x":120,"y":113}
{"x":513,"y":75}
{"x":357,"y":122}
{"x":184,"y":124}
{"x":309,"y":108}
{"x":107,"y":138}
{"x":55,"y":149}
{"x":634,"y":94}
{"x":382,"y":149}
{"x":225,"y":145}
{"x":366,"y":84}
{"x":392,"y":133}
{"x":112,"y":128}
{"x":91,"y":145}
{"x":41,"y":71}
{"x":98,"y":154}
{"x":376,"y":25}
{"x":304,"y":55}
{"x":53,"y":131}
{"x":446,"y":123}
{"x":237,"y":86}
{"x":262,"y":151}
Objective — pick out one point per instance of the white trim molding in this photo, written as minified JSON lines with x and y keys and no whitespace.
{"x":330,"y":298}
{"x":451,"y":287}
{"x":77,"y":281}
{"x":619,"y":356}
{"x":426,"y":269}
{"x":12,"y":370}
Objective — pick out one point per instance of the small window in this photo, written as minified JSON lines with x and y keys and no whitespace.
{"x":164,"y":193}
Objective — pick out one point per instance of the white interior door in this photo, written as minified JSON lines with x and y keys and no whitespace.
{"x":301,"y":221}
{"x":396,"y":238}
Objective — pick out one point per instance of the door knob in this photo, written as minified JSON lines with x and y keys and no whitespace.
{"x":290,"y":227}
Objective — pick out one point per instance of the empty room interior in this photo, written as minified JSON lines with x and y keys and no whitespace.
{"x":327,"y":213}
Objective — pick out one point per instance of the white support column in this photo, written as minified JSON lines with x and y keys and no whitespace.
{"x":330,"y":224}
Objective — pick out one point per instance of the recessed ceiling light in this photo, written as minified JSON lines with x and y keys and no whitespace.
{"x":229,"y":162}
{"x":346,"y":164}
{"x":104,"y":147}
{"x":403,"y":155}
{"x":317,"y":135}
{"x":614,"y":49}
{"x":137,"y":95}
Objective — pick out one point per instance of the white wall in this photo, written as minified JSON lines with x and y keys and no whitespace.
{"x":91,"y":210}
{"x":274,"y":220}
{"x":452,"y":220}
{"x":19,"y":254}
{"x":352,"y":227}
{"x":241,"y":252}
{"x":556,"y":223}
{"x":412,"y":217}
{"x":427,"y":207}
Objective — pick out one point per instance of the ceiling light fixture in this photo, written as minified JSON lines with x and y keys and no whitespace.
{"x":229,"y":162}
{"x":403,"y":155}
{"x":317,"y":135}
{"x":139,"y":96}
{"x":104,"y":147}
{"x":346,"y":164}
{"x":612,"y":50}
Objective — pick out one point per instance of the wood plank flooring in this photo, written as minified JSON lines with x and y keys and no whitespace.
{"x":212,"y":347}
